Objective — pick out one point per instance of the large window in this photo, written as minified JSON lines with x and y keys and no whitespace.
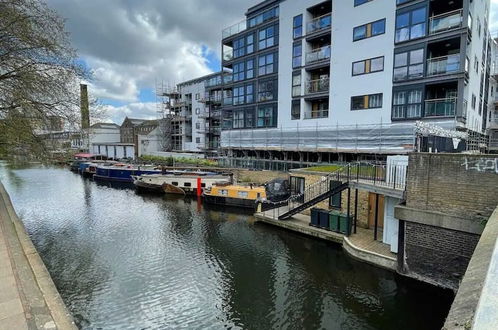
{"x":297,"y":25}
{"x":360,"y":2}
{"x":296,"y":110}
{"x":266,"y":64}
{"x":296,"y":84}
{"x":409,"y":65}
{"x":250,"y":69}
{"x":239,"y":71}
{"x":243,"y":94}
{"x":369,"y":30}
{"x":267,"y":37}
{"x":411,"y":25}
{"x":250,"y":44}
{"x":363,"y":102}
{"x":266,"y":116}
{"x":407,"y":104}
{"x":239,"y":47}
{"x":266,"y":90}
{"x":267,"y":15}
{"x":249,"y":117}
{"x":238,"y":119}
{"x":368,"y":66}
{"x":297,"y":55}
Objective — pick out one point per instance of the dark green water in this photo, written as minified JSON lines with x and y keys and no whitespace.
{"x":125,"y":261}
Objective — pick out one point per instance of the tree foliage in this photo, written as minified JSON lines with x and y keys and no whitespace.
{"x":39,"y":73}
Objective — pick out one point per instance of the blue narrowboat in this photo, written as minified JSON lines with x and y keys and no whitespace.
{"x":122,"y":172}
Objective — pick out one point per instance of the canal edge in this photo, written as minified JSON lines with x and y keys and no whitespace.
{"x":51,"y":297}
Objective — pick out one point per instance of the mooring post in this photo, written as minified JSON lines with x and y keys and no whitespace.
{"x":348,"y":230}
{"x":355,"y":208}
{"x":376,"y":215}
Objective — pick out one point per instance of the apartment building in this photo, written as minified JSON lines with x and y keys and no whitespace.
{"x":325,"y":80}
{"x":493,"y":97}
{"x":193,"y":108}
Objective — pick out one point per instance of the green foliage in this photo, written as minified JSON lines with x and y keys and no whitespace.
{"x":170,"y":161}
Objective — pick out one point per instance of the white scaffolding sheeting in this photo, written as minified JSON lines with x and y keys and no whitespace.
{"x":374,"y":138}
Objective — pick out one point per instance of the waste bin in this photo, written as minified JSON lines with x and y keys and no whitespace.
{"x":344,"y":224}
{"x":324,"y":219}
{"x":334,"y":221}
{"x":314,"y":217}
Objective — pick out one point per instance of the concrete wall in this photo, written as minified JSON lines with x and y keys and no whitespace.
{"x":104,"y":135}
{"x":449,"y":198}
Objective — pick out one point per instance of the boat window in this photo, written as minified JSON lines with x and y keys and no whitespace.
{"x":187,"y":184}
{"x":203,"y":185}
{"x":224,"y":192}
{"x":242,"y":194}
{"x":258,"y":195}
{"x":174,"y":183}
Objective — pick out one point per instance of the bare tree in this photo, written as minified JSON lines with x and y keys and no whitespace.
{"x":39,"y":72}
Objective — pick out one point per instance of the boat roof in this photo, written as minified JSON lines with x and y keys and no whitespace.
{"x":241,"y":188}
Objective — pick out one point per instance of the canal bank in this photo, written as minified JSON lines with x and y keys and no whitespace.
{"x":29,"y":298}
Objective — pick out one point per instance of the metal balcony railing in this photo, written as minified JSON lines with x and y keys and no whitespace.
{"x":234,"y":29}
{"x":443,"y":65}
{"x":319,"y":23}
{"x":444,"y":107}
{"x":314,"y":114}
{"x":317,"y":86}
{"x":317,"y":55}
{"x":446,"y":21}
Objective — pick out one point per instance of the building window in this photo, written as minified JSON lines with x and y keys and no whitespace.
{"x":369,"y":30}
{"x":266,"y":90}
{"x":474,"y":100}
{"x":267,"y":37}
{"x":250,"y":44}
{"x":266,"y":116}
{"x":297,"y":55}
{"x":296,"y":84}
{"x":239,"y":71}
{"x":266,"y":64}
{"x":239,"y":47}
{"x":250,"y":69}
{"x":407,"y":104}
{"x":411,"y":25}
{"x":197,"y":111}
{"x":368,"y":66}
{"x":296,"y":110}
{"x":243,"y":94}
{"x":363,"y":102}
{"x":197,"y":125}
{"x":238,"y":119}
{"x":197,"y":140}
{"x":267,"y":15}
{"x":297,"y":25}
{"x":476,"y":64}
{"x":360,"y":2}
{"x":409,"y":65}
{"x":249,"y":117}
{"x":197,"y":96}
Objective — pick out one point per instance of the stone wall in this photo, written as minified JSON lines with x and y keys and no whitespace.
{"x":449,"y":197}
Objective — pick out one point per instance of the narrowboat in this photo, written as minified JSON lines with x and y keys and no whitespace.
{"x":83,"y":158}
{"x":123,"y":172}
{"x":235,"y":195}
{"x":178,"y":182}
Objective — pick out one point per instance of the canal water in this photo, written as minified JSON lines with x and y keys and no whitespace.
{"x":127,"y":261}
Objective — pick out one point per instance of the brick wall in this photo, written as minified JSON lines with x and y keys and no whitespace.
{"x":455,"y":184}
{"x":438,"y":254}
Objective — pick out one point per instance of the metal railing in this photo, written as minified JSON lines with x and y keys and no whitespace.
{"x":314,"y":114}
{"x":319,"y":23}
{"x":234,"y":29}
{"x":317,"y":55}
{"x":317,"y":86}
{"x":443,"y":64}
{"x":444,"y":107}
{"x":446,"y":21}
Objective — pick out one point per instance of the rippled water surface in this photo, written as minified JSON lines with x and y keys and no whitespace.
{"x":126,"y":261}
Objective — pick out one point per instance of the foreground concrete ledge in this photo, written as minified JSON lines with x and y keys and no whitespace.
{"x":369,"y":257}
{"x":475,"y":305}
{"x":438,"y":219}
{"x":35,"y":279}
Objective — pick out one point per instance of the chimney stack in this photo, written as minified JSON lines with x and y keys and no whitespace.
{"x":85,"y":112}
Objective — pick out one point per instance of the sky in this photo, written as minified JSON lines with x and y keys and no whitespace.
{"x":132,"y":45}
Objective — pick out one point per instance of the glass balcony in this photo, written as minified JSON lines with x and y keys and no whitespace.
{"x":314,"y":114}
{"x":440,"y":107}
{"x":319,"y":23}
{"x":227,"y":100}
{"x":444,"y":22}
{"x":227,"y":54}
{"x":317,"y":55}
{"x":234,"y":29}
{"x":443,"y":65}
{"x":317,"y":86}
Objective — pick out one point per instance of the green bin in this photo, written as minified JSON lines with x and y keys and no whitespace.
{"x":334,"y":221}
{"x":344,"y":224}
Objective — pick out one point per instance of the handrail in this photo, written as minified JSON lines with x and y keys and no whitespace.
{"x":447,"y":99}
{"x":311,"y":26}
{"x":449,"y":13}
{"x":318,"y":54}
{"x":234,"y":29}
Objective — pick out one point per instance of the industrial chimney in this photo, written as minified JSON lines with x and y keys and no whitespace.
{"x":85,"y":112}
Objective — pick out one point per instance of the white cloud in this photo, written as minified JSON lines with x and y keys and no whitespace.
{"x":142,"y":110}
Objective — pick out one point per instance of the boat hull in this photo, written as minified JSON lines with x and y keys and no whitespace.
{"x":230,"y":201}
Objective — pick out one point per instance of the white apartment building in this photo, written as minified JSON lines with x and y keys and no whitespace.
{"x":324,"y":80}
